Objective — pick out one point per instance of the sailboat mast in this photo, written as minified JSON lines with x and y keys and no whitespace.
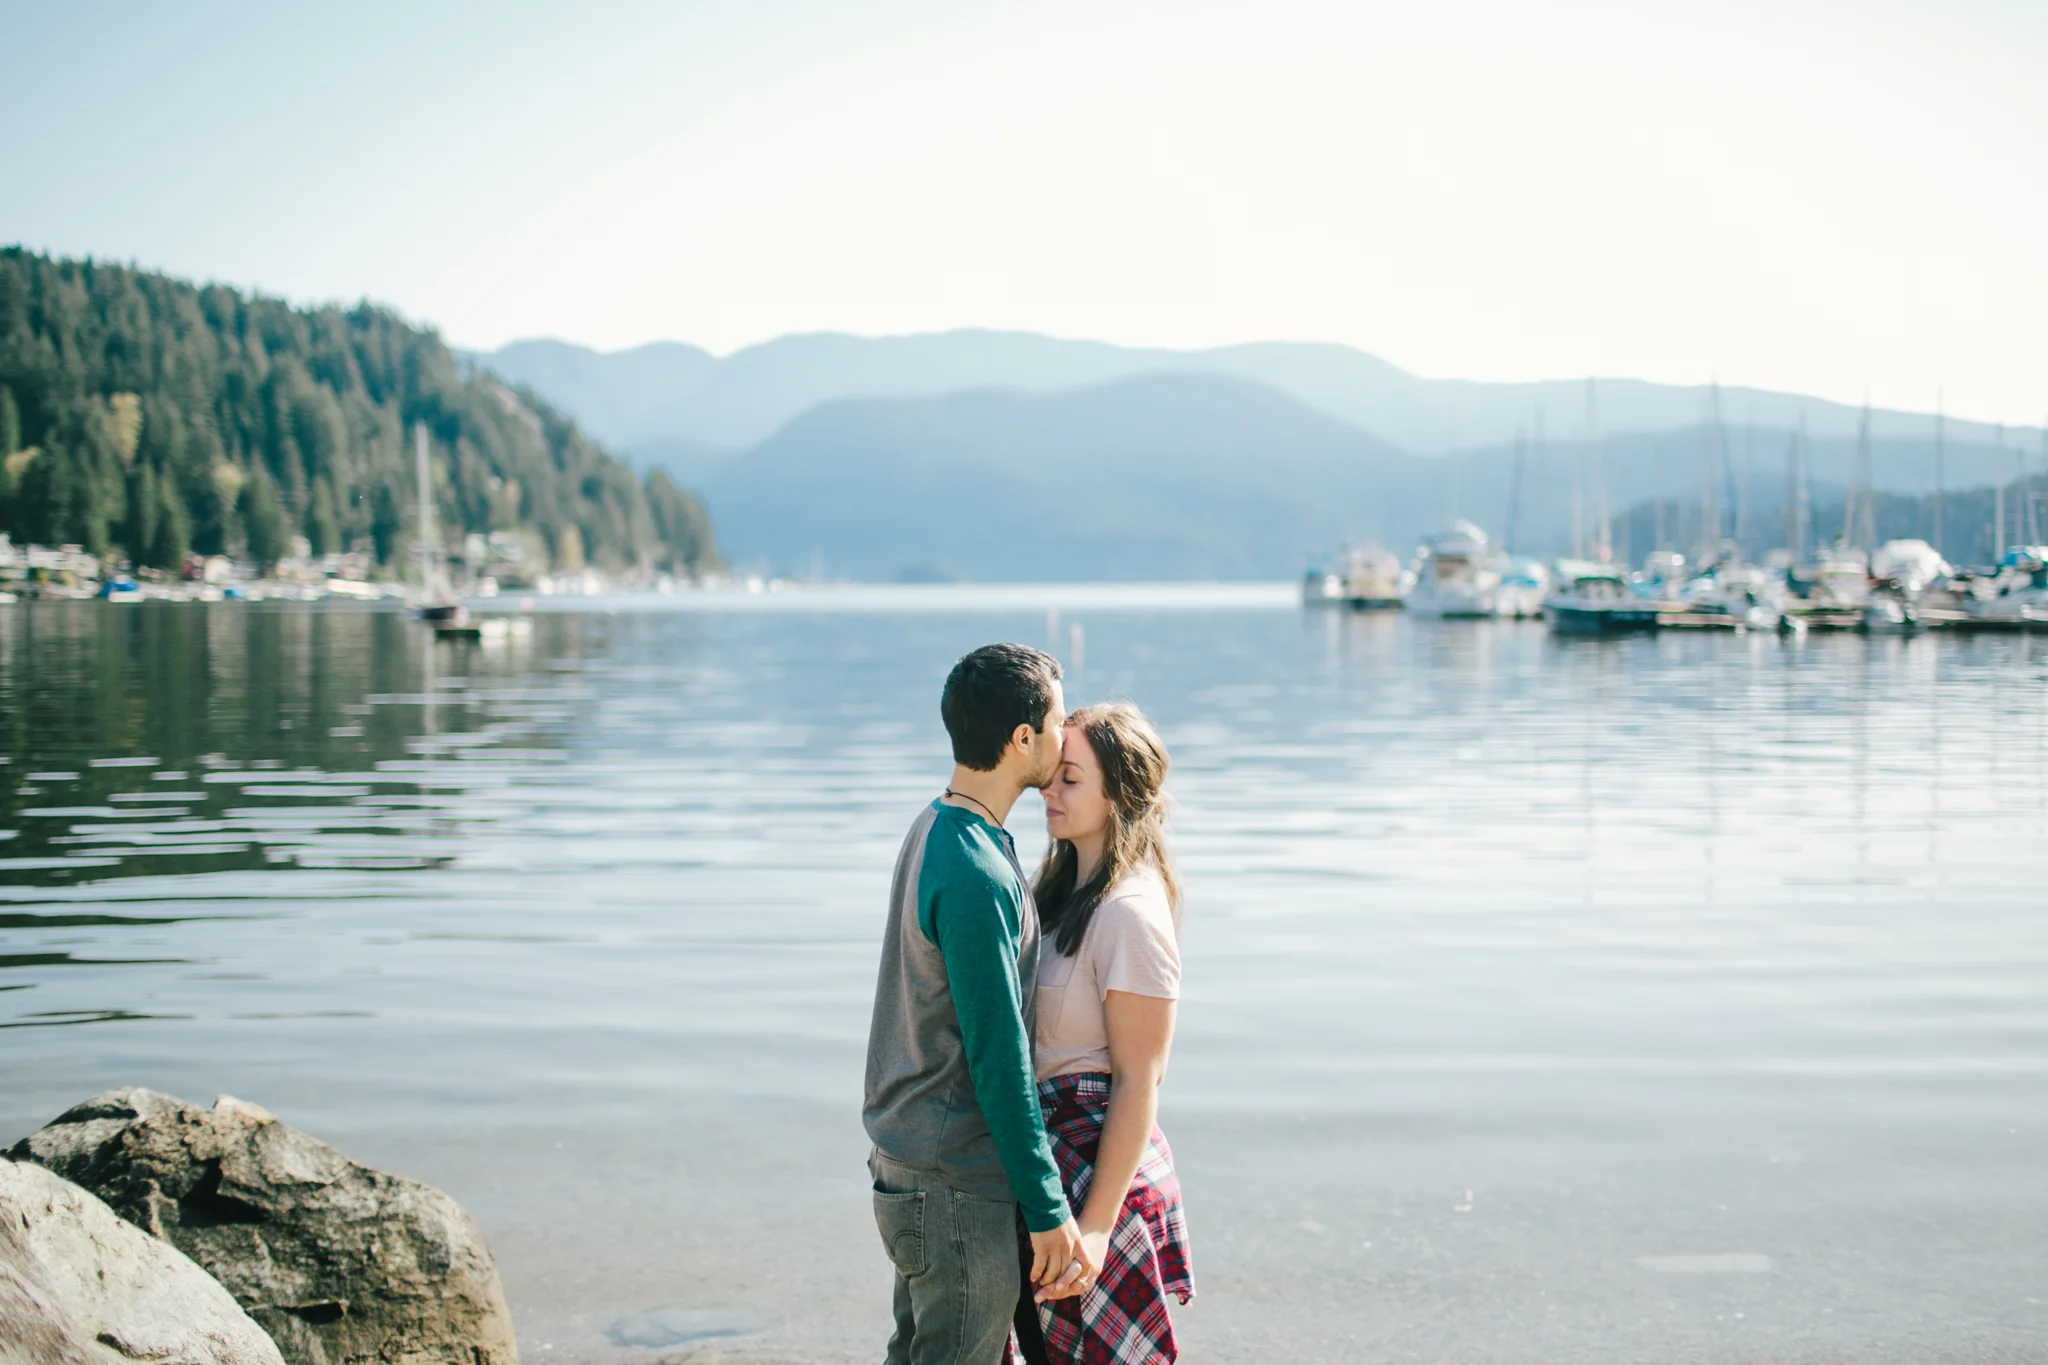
{"x":1514,"y":493}
{"x":429,"y":551}
{"x":1998,"y":502}
{"x":1803,"y":462}
{"x":1604,"y":545}
{"x":2034,"y":499}
{"x":1856,"y":511}
{"x":1940,"y":462}
{"x":1792,"y":498}
{"x":1734,"y":496}
{"x":1579,"y":502}
{"x":1748,"y":472}
{"x":1710,"y":476}
{"x":1867,"y":529}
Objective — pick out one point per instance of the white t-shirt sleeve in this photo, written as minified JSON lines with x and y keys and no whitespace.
{"x":1135,"y":946}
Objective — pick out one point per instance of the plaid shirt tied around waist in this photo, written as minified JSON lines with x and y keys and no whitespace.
{"x":1122,"y":1318}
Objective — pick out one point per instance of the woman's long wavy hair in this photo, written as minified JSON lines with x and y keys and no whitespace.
{"x":1134,"y":765}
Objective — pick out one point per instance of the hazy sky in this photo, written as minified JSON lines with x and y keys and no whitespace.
{"x":1810,"y":196}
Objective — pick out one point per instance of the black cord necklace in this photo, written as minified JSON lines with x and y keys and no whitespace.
{"x":979,"y":802}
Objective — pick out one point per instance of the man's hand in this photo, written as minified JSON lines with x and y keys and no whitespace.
{"x":1073,"y":1269}
{"x":1054,"y":1254}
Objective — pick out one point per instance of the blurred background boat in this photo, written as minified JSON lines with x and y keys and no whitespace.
{"x":1457,"y":574}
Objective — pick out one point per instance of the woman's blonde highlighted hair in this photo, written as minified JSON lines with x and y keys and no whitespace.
{"x":1134,"y":764}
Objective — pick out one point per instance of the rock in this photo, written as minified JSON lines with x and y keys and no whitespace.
{"x":80,"y":1287}
{"x":341,"y":1264}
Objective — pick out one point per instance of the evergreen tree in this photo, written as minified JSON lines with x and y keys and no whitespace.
{"x":323,"y":525}
{"x":263,"y":520}
{"x":10,"y":422}
{"x":170,"y":539}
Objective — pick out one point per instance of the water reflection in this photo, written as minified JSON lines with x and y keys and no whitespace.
{"x":1470,"y":907}
{"x":182,"y":741}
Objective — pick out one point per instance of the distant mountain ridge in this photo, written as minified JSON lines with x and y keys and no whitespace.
{"x":1186,"y":476}
{"x":670,"y":397}
{"x":994,"y":455}
{"x":1139,"y":478}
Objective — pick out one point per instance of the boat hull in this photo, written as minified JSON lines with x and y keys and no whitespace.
{"x":1601,"y":619}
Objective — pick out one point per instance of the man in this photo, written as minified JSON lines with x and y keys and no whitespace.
{"x":960,"y":1153}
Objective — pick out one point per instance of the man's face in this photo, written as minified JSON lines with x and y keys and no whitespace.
{"x":1045,"y":745}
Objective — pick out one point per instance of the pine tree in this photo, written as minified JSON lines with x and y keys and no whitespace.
{"x":323,"y":526}
{"x":171,"y":540}
{"x":263,"y":520}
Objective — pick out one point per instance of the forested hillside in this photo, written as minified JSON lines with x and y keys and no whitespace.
{"x":142,"y":415}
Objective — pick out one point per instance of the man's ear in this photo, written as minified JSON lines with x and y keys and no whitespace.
{"x":1021,"y":737}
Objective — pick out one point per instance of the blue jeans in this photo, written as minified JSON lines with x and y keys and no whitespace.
{"x":955,"y":1254}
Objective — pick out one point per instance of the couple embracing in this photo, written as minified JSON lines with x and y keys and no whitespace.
{"x":1024,"y":1193}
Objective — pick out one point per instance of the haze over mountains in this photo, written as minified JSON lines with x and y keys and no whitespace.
{"x":1001,"y":455}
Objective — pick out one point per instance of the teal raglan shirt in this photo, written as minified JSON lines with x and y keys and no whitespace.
{"x":971,"y":903}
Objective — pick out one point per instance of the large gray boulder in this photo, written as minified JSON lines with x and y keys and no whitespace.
{"x":80,"y":1287}
{"x":341,"y":1264}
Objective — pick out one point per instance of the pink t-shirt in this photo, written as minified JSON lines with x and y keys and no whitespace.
{"x":1132,"y":944}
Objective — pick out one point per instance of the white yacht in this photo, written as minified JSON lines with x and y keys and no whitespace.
{"x":1457,"y":574}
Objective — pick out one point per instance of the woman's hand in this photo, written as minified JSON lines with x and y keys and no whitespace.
{"x":1094,"y":1249}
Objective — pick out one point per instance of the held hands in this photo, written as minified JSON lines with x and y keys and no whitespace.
{"x":1065,"y":1261}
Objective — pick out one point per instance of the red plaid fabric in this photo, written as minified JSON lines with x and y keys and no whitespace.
{"x":1122,"y":1318}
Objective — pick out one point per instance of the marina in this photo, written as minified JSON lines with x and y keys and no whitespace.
{"x":1904,"y":587}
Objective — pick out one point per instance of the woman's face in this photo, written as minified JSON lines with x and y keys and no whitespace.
{"x":1077,"y":808}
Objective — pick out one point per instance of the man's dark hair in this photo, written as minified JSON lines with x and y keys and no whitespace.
{"x":989,"y":694}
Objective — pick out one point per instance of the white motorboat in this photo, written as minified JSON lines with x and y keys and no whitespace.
{"x":1524,"y":583}
{"x":1910,"y":566}
{"x":1594,"y":599}
{"x":1457,"y":574}
{"x":1373,"y":579}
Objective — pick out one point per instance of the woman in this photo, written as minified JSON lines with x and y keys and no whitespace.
{"x":1108,"y":977}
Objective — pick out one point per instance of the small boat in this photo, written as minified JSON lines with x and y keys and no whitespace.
{"x":1831,"y":593}
{"x":1321,"y":588}
{"x":1524,"y":583}
{"x":1367,"y":578}
{"x":451,"y":622}
{"x":1372,"y":579}
{"x":1909,"y":567}
{"x":1457,"y":575}
{"x":1594,"y":599}
{"x":2016,"y":597}
{"x":120,"y":588}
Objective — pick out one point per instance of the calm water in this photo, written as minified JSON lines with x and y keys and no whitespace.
{"x":1661,"y":999}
